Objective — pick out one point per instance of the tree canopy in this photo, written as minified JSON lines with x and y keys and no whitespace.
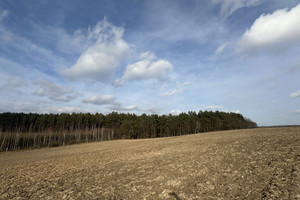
{"x":67,"y":128}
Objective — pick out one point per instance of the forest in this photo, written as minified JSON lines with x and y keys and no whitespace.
{"x":21,"y":130}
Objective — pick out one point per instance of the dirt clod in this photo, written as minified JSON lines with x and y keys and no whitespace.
{"x":259,"y":163}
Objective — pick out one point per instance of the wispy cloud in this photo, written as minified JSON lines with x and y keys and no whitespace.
{"x":174,"y":88}
{"x":171,"y":92}
{"x":228,"y":7}
{"x":34,"y":55}
{"x":218,"y":51}
{"x":162,"y":62}
{"x":212,"y":107}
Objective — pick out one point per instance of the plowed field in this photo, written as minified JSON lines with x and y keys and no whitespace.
{"x":259,"y":163}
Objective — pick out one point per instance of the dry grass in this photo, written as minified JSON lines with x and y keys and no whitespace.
{"x":241,"y":164}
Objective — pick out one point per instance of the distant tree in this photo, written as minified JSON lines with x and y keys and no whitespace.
{"x":20,"y":130}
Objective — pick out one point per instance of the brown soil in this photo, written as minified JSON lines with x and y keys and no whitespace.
{"x":242,"y":164}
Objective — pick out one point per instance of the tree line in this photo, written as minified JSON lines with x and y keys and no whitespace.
{"x":21,"y":130}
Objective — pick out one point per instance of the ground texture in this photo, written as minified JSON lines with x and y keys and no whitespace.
{"x":242,"y":164}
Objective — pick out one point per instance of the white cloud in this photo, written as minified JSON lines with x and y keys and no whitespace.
{"x":67,"y":110}
{"x":220,"y":49}
{"x":295,"y":94}
{"x":31,"y":105}
{"x":187,"y":83}
{"x":281,"y":28}
{"x":230,"y":6}
{"x":175,"y":112}
{"x":212,"y":107}
{"x":55,"y":92}
{"x":148,"y":68}
{"x":298,"y":111}
{"x":100,"y":60}
{"x":230,"y":111}
{"x":176,"y":88}
{"x":220,"y":108}
{"x":171,"y":92}
{"x":236,"y":111}
{"x":119,"y":107}
{"x":100,"y":100}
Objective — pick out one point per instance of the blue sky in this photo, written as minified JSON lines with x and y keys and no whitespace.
{"x":152,"y":57}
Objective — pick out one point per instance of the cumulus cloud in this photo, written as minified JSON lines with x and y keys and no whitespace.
{"x":175,"y":112}
{"x":230,"y":6}
{"x":100,"y":60}
{"x":55,"y":92}
{"x":148,"y":68}
{"x":100,"y":100}
{"x":295,"y":94}
{"x":281,"y":28}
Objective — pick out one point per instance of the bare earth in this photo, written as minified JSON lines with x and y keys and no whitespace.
{"x":242,"y":164}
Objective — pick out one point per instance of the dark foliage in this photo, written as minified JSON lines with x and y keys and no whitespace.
{"x":20,"y":130}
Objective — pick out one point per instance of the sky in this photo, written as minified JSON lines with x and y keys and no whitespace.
{"x":152,"y":56}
